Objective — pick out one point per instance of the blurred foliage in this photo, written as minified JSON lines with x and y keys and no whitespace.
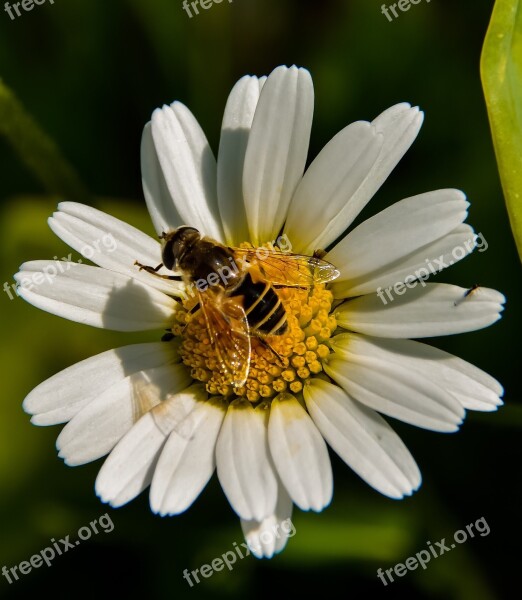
{"x":89,"y":73}
{"x":36,"y":150}
{"x":501,"y":68}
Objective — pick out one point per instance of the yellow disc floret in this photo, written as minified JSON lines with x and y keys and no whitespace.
{"x":277,"y":363}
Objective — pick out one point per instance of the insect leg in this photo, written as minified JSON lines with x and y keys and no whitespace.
{"x":154,"y":271}
{"x":294,"y":287}
{"x":192,"y":311}
{"x":195,"y":308}
{"x":282,"y":361}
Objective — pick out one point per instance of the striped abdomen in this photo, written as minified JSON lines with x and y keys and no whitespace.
{"x":264,"y":310}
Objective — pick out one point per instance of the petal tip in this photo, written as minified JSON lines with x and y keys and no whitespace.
{"x":37,"y":420}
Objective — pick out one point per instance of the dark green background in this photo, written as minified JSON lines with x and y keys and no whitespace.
{"x":91,"y":72}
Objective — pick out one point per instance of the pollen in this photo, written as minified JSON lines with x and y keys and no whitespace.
{"x":277,"y":363}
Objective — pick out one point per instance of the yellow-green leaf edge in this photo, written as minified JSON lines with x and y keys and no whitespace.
{"x":501,"y":72}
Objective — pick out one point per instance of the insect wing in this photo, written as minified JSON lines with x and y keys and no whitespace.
{"x":229,"y":333}
{"x":291,"y":270}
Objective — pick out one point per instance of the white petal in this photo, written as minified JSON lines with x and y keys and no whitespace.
{"x":62,"y":396}
{"x":401,"y":229}
{"x":96,"y":429}
{"x":396,"y":391}
{"x":110,"y":243}
{"x":129,"y":468}
{"x":429,"y":259}
{"x":472,"y":387}
{"x":400,"y":125}
{"x":160,"y":204}
{"x":237,"y":121}
{"x":244,"y":467}
{"x":94,"y":296}
{"x":187,"y":460}
{"x":277,"y":149}
{"x":435,"y":309}
{"x":269,"y":536}
{"x":300,"y":454}
{"x":321,"y":206}
{"x":188,"y":166}
{"x":363,"y":439}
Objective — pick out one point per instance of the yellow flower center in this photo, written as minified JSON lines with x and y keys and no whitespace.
{"x":297,"y":356}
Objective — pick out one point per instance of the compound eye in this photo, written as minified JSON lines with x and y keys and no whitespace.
{"x":168,"y":258}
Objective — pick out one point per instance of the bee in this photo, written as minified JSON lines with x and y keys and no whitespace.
{"x":467,"y":293}
{"x":237,"y":290}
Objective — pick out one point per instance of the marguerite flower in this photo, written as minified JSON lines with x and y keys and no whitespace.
{"x":165,"y":414}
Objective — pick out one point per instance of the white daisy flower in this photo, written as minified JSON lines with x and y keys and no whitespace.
{"x":166,"y":415}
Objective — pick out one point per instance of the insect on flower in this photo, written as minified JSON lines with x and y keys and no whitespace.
{"x":240,"y":303}
{"x":269,"y":356}
{"x":467,"y":293}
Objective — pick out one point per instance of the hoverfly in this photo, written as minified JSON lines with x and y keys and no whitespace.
{"x":237,"y":290}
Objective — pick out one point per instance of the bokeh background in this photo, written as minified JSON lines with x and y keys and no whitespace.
{"x":90,"y":72}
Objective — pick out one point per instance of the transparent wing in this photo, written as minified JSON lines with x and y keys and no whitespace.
{"x":229,"y":333}
{"x":291,"y":270}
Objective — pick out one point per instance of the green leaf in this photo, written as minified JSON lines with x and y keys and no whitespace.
{"x":501,"y":71}
{"x":37,"y":150}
